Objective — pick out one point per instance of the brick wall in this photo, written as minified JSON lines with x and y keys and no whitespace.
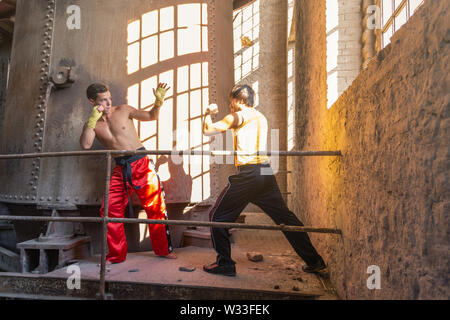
{"x":389,"y":193}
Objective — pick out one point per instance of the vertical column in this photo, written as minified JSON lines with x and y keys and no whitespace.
{"x":273,"y":90}
{"x":370,"y":10}
{"x":221,"y":80}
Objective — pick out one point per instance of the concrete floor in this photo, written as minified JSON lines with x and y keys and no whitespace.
{"x":275,"y":271}
{"x":280,"y":270}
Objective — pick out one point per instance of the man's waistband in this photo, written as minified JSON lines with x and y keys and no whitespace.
{"x":121,"y":161}
{"x":245,"y":167}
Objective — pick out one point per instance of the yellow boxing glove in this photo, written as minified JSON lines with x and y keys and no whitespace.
{"x":95,"y":115}
{"x":160,"y":92}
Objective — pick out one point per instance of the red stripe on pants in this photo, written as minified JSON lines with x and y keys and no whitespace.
{"x":152,"y":199}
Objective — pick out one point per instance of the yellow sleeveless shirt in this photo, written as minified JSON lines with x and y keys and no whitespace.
{"x":250,"y":137}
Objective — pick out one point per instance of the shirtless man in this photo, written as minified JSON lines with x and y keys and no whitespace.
{"x":113,"y":126}
{"x":254,"y":182}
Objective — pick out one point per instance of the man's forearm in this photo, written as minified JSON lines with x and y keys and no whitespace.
{"x":87,"y":137}
{"x":154,"y":112}
{"x":207,"y":123}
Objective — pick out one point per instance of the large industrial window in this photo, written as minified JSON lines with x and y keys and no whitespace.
{"x":290,"y":77}
{"x":170,"y":45}
{"x":395,"y":13}
{"x":246,"y":40}
{"x":332,"y":28}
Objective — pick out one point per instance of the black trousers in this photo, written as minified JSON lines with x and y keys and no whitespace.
{"x":249,"y":185}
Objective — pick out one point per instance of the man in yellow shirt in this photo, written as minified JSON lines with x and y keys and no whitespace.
{"x":254,"y":182}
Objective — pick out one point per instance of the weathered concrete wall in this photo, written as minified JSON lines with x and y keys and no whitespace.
{"x":390,"y":192}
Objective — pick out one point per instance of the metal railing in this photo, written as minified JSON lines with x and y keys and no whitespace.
{"x":105,"y":219}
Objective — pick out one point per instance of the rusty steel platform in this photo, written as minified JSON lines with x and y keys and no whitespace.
{"x":146,"y":276}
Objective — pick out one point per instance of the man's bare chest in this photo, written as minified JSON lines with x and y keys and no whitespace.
{"x":114,"y":126}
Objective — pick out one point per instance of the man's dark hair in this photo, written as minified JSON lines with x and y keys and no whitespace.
{"x":95,"y":89}
{"x":244,"y":94}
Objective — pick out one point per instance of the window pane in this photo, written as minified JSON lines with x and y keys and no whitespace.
{"x":133,"y":95}
{"x":165,"y":132}
{"x":397,"y":3}
{"x":195,"y":111}
{"x":387,"y":10}
{"x":134,"y":31}
{"x":387,"y":36}
{"x":189,"y":40}
{"x":188,"y":15}
{"x":332,"y":15}
{"x":166,"y":47}
{"x":167,"y":17}
{"x":147,"y":86}
{"x":413,"y":5}
{"x":332,"y":93}
{"x":332,"y":50}
{"x":204,"y":39}
{"x":196,"y":75}
{"x":149,"y":51}
{"x":133,"y":57}
{"x":204,"y":14}
{"x":400,"y":19}
{"x":205,"y":74}
{"x":149,"y":23}
{"x":183,"y":79}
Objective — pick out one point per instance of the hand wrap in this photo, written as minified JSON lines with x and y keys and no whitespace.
{"x":95,"y":115}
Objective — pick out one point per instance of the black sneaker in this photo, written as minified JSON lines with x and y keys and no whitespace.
{"x":318,"y":266}
{"x":225,"y":270}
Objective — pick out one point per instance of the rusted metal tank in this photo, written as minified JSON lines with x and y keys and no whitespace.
{"x":131,"y":46}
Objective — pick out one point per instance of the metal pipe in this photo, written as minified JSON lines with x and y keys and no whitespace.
{"x":280,"y":227}
{"x":167,"y":152}
{"x":105,"y":227}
